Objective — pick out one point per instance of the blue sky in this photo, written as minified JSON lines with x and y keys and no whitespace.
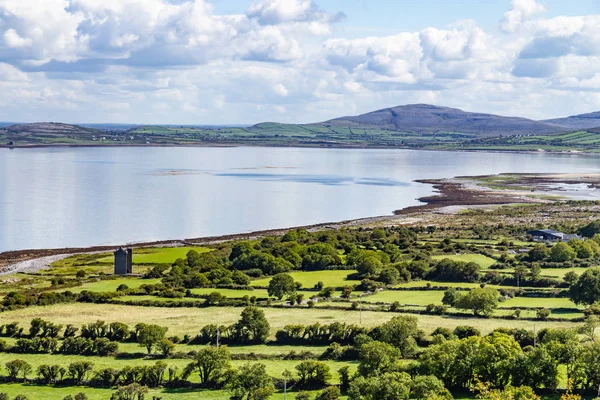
{"x":242,"y":62}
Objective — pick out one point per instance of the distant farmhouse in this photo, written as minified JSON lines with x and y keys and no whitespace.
{"x":550,"y":235}
{"x":123,"y":261}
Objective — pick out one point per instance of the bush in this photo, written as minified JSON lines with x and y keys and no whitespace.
{"x":543,"y":313}
{"x":466,"y":331}
{"x":331,"y":393}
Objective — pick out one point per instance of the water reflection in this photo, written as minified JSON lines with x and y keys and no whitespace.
{"x":87,"y":196}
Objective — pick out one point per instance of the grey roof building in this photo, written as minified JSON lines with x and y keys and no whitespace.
{"x":552,"y":235}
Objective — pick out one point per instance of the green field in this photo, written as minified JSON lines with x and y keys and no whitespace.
{"x":158,"y":255}
{"x":483,"y":261}
{"x":542,"y":302}
{"x":157,"y":298}
{"x":34,"y":392}
{"x":411,"y":297}
{"x":111,"y":285}
{"x":183,"y":320}
{"x":471,"y":235}
{"x":335,"y":278}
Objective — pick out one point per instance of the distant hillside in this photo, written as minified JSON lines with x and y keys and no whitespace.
{"x":414,"y":126}
{"x":575,"y":122}
{"x":425,"y":118}
{"x":47,"y":129}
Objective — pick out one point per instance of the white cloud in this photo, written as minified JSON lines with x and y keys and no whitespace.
{"x":520,"y":11}
{"x":280,"y":90}
{"x":280,"y":60}
{"x":12,"y":39}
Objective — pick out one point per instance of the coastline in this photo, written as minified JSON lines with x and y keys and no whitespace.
{"x":451,"y":196}
{"x":299,"y":146}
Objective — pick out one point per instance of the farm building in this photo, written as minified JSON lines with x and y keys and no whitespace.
{"x":123,"y":261}
{"x":551,"y":235}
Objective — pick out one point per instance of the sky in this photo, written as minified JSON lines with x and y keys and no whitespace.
{"x":247,"y":61}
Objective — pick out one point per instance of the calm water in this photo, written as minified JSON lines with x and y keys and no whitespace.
{"x":92,"y":196}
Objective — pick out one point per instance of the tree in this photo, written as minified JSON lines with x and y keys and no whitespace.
{"x":281,"y":285}
{"x":118,"y":331}
{"x":377,"y":357}
{"x":48,"y":373}
{"x":400,"y":332}
{"x":36,"y":325}
{"x":18,"y":368}
{"x":538,"y":253}
{"x":543,"y":313}
{"x":166,"y":347}
{"x":482,"y":301}
{"x":330,"y":393}
{"x":537,"y":368}
{"x":590,"y":229}
{"x":149,"y":336}
{"x":253,"y":326}
{"x":570,"y":277}
{"x":345,"y":379}
{"x":520,"y":273}
{"x":562,"y":252}
{"x":388,"y":386}
{"x":428,"y":387}
{"x":80,"y":274}
{"x":251,"y":382}
{"x":211,"y":363}
{"x":80,"y":370}
{"x":451,"y":296}
{"x":587,"y":288}
{"x":369,"y":266}
{"x":313,"y":374}
{"x":509,"y":392}
{"x":535,"y":271}
{"x":389,"y":275}
{"x":135,"y":391}
{"x":347,"y":291}
{"x":590,"y":326}
{"x":327,"y":292}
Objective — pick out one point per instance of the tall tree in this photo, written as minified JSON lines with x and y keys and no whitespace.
{"x":482,"y":301}
{"x":587,"y":288}
{"x":211,"y":364}
{"x":149,"y":336}
{"x":251,"y":382}
{"x":252,"y":327}
{"x":281,"y":285}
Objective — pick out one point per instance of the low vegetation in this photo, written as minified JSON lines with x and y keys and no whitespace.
{"x":422,"y":311}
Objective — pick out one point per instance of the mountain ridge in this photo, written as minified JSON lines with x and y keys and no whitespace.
{"x":426,"y":118}
{"x":580,"y":121}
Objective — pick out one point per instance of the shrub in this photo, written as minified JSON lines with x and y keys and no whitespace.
{"x":330,"y":393}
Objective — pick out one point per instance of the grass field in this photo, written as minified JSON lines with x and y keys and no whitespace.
{"x":157,"y":298}
{"x":423,"y":284}
{"x":190,"y":320}
{"x":414,"y":297}
{"x":333,"y":278}
{"x":542,"y":302}
{"x":158,"y":255}
{"x":274,"y":367}
{"x":560,"y":272}
{"x":96,"y":263}
{"x":111,"y":285}
{"x":483,"y":261}
{"x":35,"y":392}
